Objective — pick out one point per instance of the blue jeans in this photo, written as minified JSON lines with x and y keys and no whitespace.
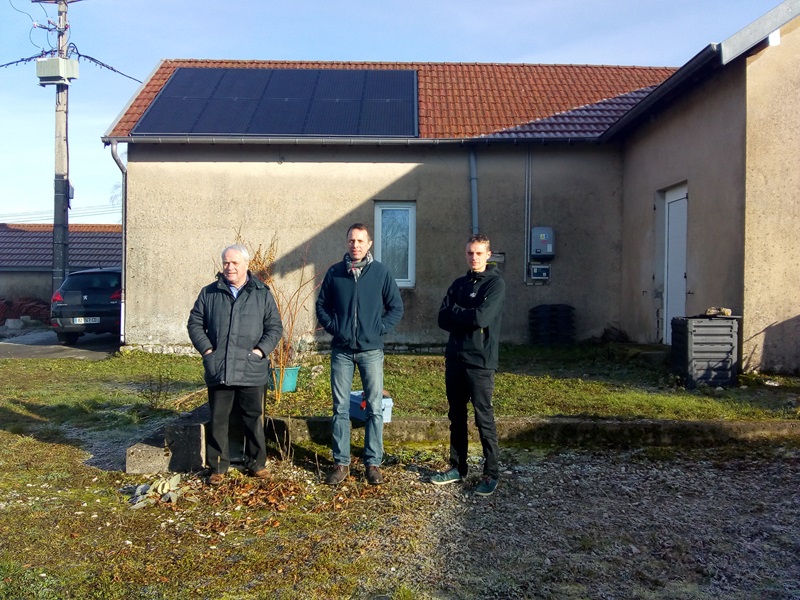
{"x":370,"y":367}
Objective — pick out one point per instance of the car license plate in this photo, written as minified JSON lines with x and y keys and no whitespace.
{"x":85,"y":320}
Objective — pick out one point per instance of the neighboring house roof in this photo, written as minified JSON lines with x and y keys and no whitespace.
{"x":29,"y":247}
{"x":456,"y":101}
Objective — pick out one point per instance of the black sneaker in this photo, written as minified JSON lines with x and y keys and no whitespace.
{"x":374,"y":475}
{"x":337,"y":475}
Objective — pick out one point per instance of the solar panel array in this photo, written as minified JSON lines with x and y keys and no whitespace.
{"x":284,"y":102}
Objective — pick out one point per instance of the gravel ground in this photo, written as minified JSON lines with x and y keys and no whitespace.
{"x":701,"y":524}
{"x":572,"y":524}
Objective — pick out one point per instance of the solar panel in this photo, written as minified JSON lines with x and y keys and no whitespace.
{"x":291,"y":83}
{"x":173,"y":116}
{"x":382,"y":117}
{"x":333,"y":117}
{"x":246,"y":84}
{"x":255,"y":102}
{"x":280,"y":116}
{"x":340,"y":85}
{"x":192,"y":83}
{"x":226,"y":116}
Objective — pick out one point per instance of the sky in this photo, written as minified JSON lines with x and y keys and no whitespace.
{"x":133,"y":36}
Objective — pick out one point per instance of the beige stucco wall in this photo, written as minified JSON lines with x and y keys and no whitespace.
{"x":26,"y":285}
{"x":733,"y":141}
{"x":185,"y":203}
{"x":698,"y":142}
{"x":772,"y":265}
{"x":577,"y":191}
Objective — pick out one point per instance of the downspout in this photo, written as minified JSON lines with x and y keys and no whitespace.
{"x":473,"y":187}
{"x":124,"y":171}
{"x":528,"y":214}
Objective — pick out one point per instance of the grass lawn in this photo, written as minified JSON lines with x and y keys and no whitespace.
{"x":67,"y":530}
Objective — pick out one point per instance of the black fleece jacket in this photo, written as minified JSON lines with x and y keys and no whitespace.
{"x":472,"y":312}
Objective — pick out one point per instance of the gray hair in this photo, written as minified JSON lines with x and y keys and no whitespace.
{"x":237,"y":248}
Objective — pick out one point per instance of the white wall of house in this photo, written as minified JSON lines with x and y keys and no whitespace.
{"x":185,"y":203}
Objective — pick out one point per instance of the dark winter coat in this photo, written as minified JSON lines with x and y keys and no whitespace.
{"x":358,"y":312}
{"x":233,"y":329}
{"x":472,"y":312}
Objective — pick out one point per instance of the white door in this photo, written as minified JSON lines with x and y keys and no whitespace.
{"x":677,"y":201}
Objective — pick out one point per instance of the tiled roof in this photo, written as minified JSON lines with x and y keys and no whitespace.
{"x":581,"y":123}
{"x":456,"y":100}
{"x":30,"y":246}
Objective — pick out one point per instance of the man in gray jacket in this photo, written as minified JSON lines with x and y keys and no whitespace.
{"x":234,"y":325}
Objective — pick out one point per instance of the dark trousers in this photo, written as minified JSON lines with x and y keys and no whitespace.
{"x":464,"y":385}
{"x":250,"y":403}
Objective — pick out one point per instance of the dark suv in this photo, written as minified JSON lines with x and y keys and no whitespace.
{"x":87,"y":302}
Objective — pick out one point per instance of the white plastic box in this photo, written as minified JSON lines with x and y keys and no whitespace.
{"x":356,"y":412}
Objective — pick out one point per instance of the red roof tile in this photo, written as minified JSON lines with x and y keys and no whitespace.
{"x":456,"y":100}
{"x":30,"y":246}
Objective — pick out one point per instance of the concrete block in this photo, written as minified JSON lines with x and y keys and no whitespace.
{"x":149,"y":456}
{"x":14,"y":324}
{"x":187,"y":446}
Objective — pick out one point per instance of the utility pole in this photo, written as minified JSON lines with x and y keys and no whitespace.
{"x":59,"y":71}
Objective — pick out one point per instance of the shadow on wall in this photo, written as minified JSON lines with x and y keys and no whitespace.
{"x":320,"y":249}
{"x":781,"y":351}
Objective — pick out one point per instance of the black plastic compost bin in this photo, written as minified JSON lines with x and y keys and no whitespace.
{"x":705,"y":350}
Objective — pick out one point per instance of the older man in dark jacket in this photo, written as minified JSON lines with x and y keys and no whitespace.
{"x":234,"y":325}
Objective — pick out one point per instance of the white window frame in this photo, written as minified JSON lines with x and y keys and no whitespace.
{"x":411,"y":207}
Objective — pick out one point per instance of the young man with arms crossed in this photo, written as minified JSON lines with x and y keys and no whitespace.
{"x":472,"y":312}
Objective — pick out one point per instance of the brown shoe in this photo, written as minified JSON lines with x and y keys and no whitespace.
{"x":216,"y":478}
{"x":261,"y":474}
{"x":337,"y":475}
{"x":374,"y":475}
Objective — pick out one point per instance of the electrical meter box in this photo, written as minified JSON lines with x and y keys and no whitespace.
{"x":543,"y":244}
{"x":539,"y":272}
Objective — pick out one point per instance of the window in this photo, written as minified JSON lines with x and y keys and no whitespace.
{"x":395,"y":239}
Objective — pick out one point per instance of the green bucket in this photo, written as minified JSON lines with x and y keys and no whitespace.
{"x":289,"y":378}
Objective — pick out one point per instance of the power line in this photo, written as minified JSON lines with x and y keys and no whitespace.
{"x":46,"y":216}
{"x":72,"y":49}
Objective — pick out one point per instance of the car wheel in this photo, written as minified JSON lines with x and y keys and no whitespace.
{"x":69,"y":339}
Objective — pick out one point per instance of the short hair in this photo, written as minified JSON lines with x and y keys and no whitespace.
{"x":361,"y":226}
{"x":238,"y":248}
{"x":479,"y":238}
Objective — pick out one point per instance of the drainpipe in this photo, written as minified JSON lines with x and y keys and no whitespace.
{"x":124,"y":171}
{"x":473,"y":186}
{"x":528,"y":213}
